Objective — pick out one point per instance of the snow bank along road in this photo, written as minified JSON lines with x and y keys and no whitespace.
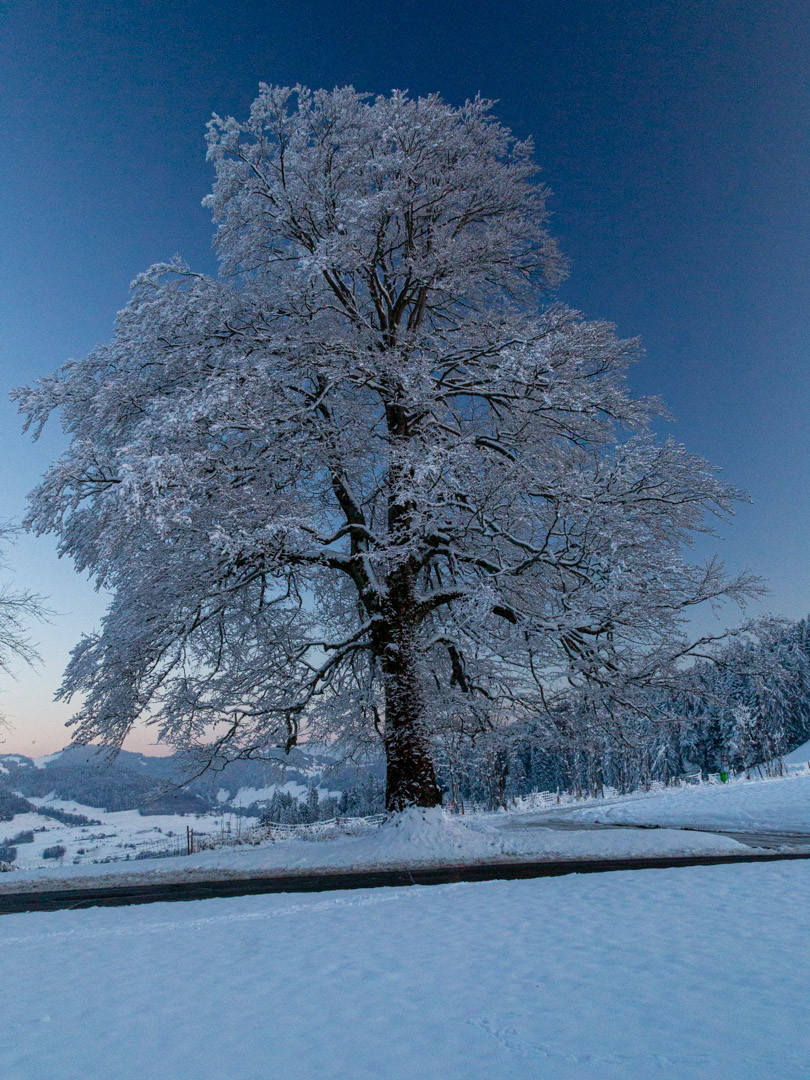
{"x":155,"y":892}
{"x":672,"y":975}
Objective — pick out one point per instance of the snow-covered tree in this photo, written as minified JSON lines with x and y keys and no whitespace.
{"x":751,"y":704}
{"x":313,"y":802}
{"x":17,"y":609}
{"x":370,"y":478}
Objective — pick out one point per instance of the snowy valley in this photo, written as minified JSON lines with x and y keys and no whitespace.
{"x":77,"y":807}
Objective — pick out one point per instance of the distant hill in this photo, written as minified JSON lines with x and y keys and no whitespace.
{"x":159,"y":785}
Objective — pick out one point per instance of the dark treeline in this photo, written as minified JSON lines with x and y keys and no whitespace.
{"x":167,"y":785}
{"x":365,"y":797}
{"x":110,"y":788}
{"x":743,"y":709}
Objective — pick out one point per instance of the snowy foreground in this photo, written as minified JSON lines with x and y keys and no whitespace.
{"x":682,"y":974}
{"x":415,"y":838}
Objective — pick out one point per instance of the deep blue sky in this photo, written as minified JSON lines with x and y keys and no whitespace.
{"x":674,"y":136}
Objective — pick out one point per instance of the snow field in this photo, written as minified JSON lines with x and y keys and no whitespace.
{"x":778,"y":804}
{"x":124,"y":834}
{"x":121,"y":833}
{"x":799,"y":756}
{"x":681,"y":974}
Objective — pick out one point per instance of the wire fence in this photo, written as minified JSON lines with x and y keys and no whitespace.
{"x":254,"y":835}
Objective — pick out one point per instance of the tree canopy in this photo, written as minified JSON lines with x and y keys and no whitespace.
{"x":17,"y":609}
{"x":371,"y":478}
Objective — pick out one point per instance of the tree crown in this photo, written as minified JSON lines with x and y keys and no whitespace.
{"x":370,"y":463}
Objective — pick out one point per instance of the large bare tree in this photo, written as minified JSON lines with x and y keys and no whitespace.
{"x":370,"y":478}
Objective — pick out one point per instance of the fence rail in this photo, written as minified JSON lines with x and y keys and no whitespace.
{"x":257,"y":834}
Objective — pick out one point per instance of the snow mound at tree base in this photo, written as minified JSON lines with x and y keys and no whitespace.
{"x":422,"y":834}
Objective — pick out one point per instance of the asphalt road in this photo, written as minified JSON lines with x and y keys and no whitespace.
{"x":356,"y":879}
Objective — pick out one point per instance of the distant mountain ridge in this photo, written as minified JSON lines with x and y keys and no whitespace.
{"x":153,"y":785}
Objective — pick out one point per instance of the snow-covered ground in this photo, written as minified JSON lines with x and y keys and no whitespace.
{"x":676,"y":974}
{"x":121,"y":835}
{"x":414,"y":838}
{"x":781,"y":804}
{"x":799,"y":756}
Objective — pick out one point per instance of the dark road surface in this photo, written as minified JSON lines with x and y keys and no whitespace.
{"x":356,"y":879}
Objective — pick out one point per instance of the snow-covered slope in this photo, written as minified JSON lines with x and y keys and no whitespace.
{"x":776,"y":805}
{"x":120,"y":835}
{"x":654,"y":975}
{"x":799,"y":756}
{"x":47,"y":759}
{"x":780,"y":804}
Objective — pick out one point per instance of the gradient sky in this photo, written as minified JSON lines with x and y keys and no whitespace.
{"x":674,"y":136}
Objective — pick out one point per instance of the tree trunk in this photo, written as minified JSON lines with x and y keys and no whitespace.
{"x":410,"y":776}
